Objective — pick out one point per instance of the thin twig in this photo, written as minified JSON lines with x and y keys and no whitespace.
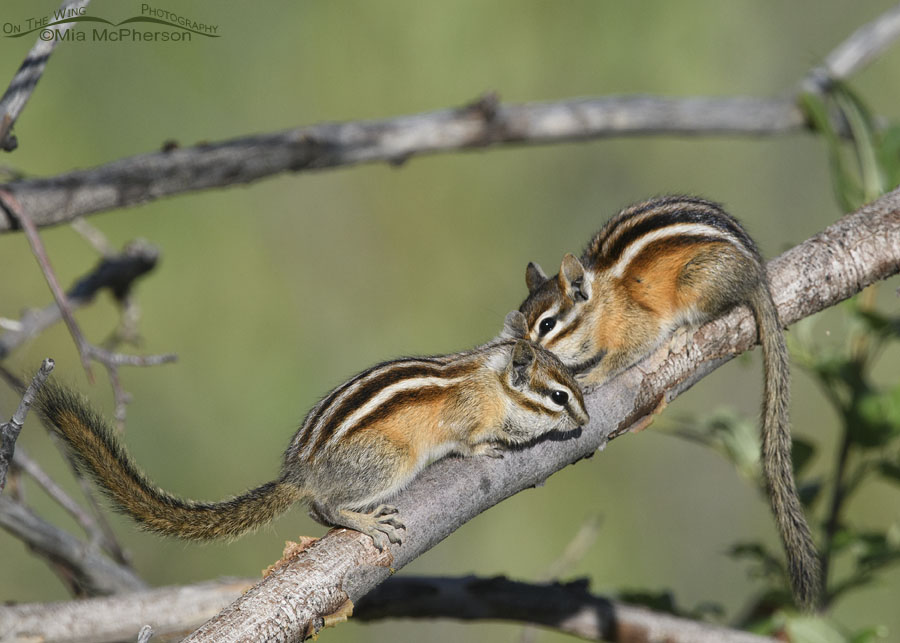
{"x":92,"y":528}
{"x":109,"y":358}
{"x":27,"y":77}
{"x":93,"y":236}
{"x":112,"y":545}
{"x":82,"y":567}
{"x":863,"y":46}
{"x":126,"y":331}
{"x":11,"y":204}
{"x":87,"y":351}
{"x":576,"y":550}
{"x":572,"y":554}
{"x":145,"y":634}
{"x":832,"y":522}
{"x":9,"y":431}
{"x":117,"y":273}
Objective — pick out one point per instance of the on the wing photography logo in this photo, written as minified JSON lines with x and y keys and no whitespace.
{"x":76,"y":25}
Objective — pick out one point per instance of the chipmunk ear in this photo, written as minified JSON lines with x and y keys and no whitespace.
{"x":515,"y":326}
{"x":522,"y":358}
{"x":572,"y":279}
{"x":534,"y":277}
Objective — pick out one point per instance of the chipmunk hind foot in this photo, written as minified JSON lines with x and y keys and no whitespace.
{"x":382,"y":524}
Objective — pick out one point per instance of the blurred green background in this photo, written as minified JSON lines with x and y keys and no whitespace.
{"x":274,"y":293}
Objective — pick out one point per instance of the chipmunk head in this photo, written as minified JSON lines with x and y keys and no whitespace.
{"x":557,"y":313}
{"x":543,"y":395}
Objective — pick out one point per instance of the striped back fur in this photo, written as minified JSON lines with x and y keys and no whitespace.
{"x":465,"y":386}
{"x":672,"y":218}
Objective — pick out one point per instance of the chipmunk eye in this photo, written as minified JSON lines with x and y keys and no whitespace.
{"x":559,"y":397}
{"x":547,"y":324}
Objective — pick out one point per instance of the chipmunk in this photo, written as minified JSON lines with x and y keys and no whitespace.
{"x":656,"y":267}
{"x":358,"y":446}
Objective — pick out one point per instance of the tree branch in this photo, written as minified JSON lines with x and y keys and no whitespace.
{"x":568,"y":608}
{"x":147,"y":177}
{"x":9,"y":431}
{"x":92,"y":527}
{"x":81,"y":565}
{"x":863,"y":46}
{"x":564,"y":607}
{"x":294,"y":600}
{"x":26,"y":78}
{"x":11,"y":205}
{"x":86,"y":350}
{"x":485,"y":123}
{"x":118,"y":273}
{"x":169,"y":610}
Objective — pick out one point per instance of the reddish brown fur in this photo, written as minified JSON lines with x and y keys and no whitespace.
{"x":653,"y":278}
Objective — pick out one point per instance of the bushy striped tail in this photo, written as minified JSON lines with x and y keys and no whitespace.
{"x":100,"y":454}
{"x":802,"y":558}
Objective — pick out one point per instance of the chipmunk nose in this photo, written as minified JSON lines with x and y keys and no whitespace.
{"x":581,"y":416}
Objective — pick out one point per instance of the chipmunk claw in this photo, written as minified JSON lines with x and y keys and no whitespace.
{"x":383,"y":525}
{"x":384,"y":510}
{"x":489,"y":449}
{"x":382,"y":532}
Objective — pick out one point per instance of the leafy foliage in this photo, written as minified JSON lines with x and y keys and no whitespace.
{"x":871,"y":167}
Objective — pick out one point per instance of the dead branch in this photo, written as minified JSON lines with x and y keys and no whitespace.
{"x":484,"y":123}
{"x":86,"y":350}
{"x":26,"y":78}
{"x":862,"y":47}
{"x":147,"y":177}
{"x":169,"y":610}
{"x":80,"y":565}
{"x":9,"y":431}
{"x":96,"y":530}
{"x":564,"y":607}
{"x":117,"y":273}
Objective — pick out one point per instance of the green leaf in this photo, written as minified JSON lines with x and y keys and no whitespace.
{"x":874,"y":419}
{"x":869,"y":635}
{"x":732,"y":435}
{"x":801,"y":454}
{"x":890,"y":471}
{"x":862,"y":129}
{"x":879,"y":561}
{"x":854,"y":581}
{"x":809,"y":629}
{"x":843,"y":538}
{"x":838,"y":374}
{"x":809,"y":490}
{"x":889,"y":154}
{"x":877,"y":322}
{"x":847,"y":190}
{"x":765,"y":563}
{"x":875,"y":552}
{"x":877,"y":155}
